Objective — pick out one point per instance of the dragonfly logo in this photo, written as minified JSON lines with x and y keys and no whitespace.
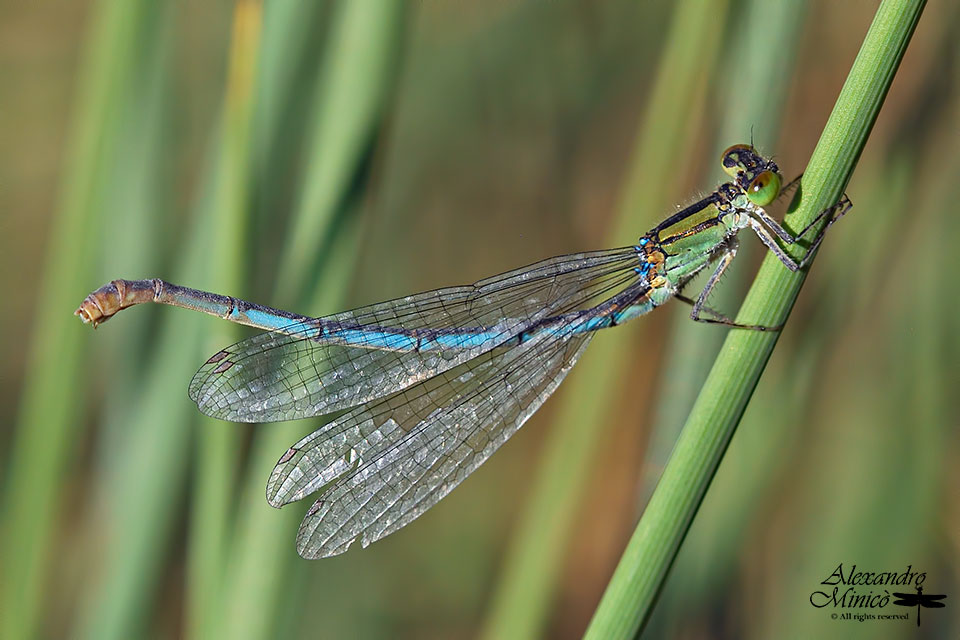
{"x":859,"y":595}
{"x":919,"y":599}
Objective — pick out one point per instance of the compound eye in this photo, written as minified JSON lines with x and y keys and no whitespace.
{"x":732,"y":158}
{"x":764,"y":189}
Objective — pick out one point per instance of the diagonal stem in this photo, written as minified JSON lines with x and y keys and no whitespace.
{"x":632,"y":592}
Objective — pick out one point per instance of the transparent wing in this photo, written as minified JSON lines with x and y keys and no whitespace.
{"x":386,"y":463}
{"x":344,"y":360}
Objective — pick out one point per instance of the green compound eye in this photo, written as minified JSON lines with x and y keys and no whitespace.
{"x":764,"y":189}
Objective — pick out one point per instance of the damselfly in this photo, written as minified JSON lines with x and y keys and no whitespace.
{"x":432,"y":384}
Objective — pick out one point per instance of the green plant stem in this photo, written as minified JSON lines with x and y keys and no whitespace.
{"x":632,"y":591}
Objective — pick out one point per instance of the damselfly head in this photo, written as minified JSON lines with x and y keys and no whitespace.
{"x":757,"y":176}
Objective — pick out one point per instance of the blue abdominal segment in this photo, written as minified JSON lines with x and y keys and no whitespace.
{"x":376,"y":339}
{"x":468,"y":339}
{"x":392,"y":339}
{"x":626,"y":306}
{"x":274,"y":321}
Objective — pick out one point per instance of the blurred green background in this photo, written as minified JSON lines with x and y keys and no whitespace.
{"x":321,"y":156}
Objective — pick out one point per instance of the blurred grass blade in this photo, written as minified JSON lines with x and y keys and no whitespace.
{"x":48,"y":426}
{"x":535,"y":558}
{"x":775,"y":29}
{"x":139,"y":507}
{"x":355,"y":78}
{"x":262,"y":554}
{"x":632,"y":590}
{"x":218,"y":441}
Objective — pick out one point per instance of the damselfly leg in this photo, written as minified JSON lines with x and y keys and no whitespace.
{"x":762,"y":223}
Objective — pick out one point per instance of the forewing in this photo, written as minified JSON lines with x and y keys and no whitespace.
{"x":388,"y":462}
{"x":311,"y":371}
